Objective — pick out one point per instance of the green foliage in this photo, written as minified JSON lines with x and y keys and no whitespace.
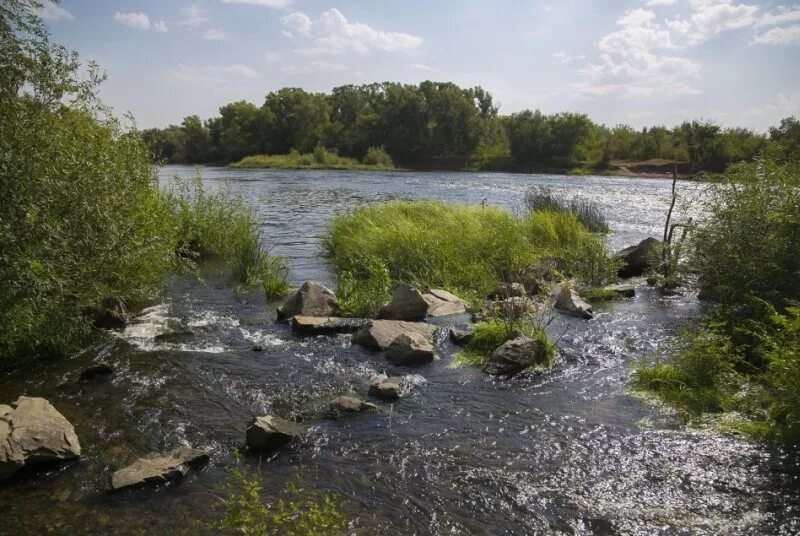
{"x":587,"y":211}
{"x":297,"y":512}
{"x":780,"y":344}
{"x":490,"y":334}
{"x":592,"y":263}
{"x":377,"y":156}
{"x":319,"y":159}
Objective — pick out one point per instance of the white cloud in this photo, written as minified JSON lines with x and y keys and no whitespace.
{"x":314,"y":67}
{"x":194,"y":16}
{"x":216,"y":34}
{"x":139,"y":20}
{"x":211,"y":73}
{"x":296,"y":22}
{"x":565,"y":59}
{"x":653,"y":3}
{"x":782,"y":16}
{"x":711,"y":17}
{"x":422,"y":67}
{"x":267,"y":3}
{"x":53,"y":12}
{"x":334,"y":34}
{"x":789,"y":35}
{"x":160,"y":26}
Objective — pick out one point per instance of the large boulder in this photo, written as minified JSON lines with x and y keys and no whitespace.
{"x":639,"y":259}
{"x":385,"y":388}
{"x":507,"y":290}
{"x":410,"y":349}
{"x":460,"y":336}
{"x":323,"y":325}
{"x":568,"y":301}
{"x":514,"y":356}
{"x":33,"y":431}
{"x":379,"y":334}
{"x":443,"y":303}
{"x":407,"y":303}
{"x":158,"y":468}
{"x":269,"y":432}
{"x":311,"y":299}
{"x":344,"y":405}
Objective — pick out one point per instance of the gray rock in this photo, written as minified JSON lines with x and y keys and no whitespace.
{"x":443,"y":303}
{"x":514,"y":356}
{"x":513,"y":308}
{"x":33,"y":431}
{"x":111,"y":313}
{"x":343,"y":405}
{"x":385,"y":388}
{"x":311,"y":299}
{"x":379,"y":334}
{"x":623,"y":290}
{"x":507,"y":290}
{"x":640,"y":258}
{"x":269,"y":432}
{"x":410,"y":349}
{"x":548,"y":269}
{"x":460,"y":337}
{"x":101,"y":371}
{"x":407,"y":303}
{"x":158,"y":468}
{"x":569,"y":302}
{"x":320,"y":325}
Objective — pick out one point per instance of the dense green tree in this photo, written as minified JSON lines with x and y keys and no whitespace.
{"x":299,"y":120}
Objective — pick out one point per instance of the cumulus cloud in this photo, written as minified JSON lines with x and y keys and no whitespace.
{"x":711,"y":17}
{"x":296,"y":22}
{"x":780,"y":36}
{"x":160,"y":26}
{"x":565,"y":59}
{"x":54,"y":12}
{"x":332,"y":33}
{"x":194,"y":16}
{"x":783,"y":15}
{"x":653,"y":3}
{"x":266,"y":3}
{"x":137,"y":20}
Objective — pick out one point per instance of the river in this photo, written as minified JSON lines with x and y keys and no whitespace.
{"x":569,"y":451}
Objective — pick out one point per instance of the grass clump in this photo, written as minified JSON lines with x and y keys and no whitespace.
{"x":375,"y":159}
{"x":490,"y":334}
{"x":588,"y":212}
{"x":297,"y":511}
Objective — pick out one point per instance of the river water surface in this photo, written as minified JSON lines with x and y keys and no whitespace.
{"x":564,"y":452}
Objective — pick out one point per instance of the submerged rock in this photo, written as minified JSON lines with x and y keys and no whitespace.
{"x":158,"y":468}
{"x":269,"y":432}
{"x":311,"y":299}
{"x":443,"y":303}
{"x":33,"y":431}
{"x":640,"y":258}
{"x":568,"y":301}
{"x":101,"y":371}
{"x":507,"y":290}
{"x":459,"y":336}
{"x":343,"y":405}
{"x":111,"y":313}
{"x":385,"y":388}
{"x":407,"y":303}
{"x":514,"y":356}
{"x":317,"y":325}
{"x":379,"y":334}
{"x":410,"y":349}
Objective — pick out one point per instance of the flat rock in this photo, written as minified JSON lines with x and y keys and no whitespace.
{"x":407,"y":303}
{"x":269,"y":432}
{"x":321,"y":325}
{"x":311,"y":299}
{"x":343,"y":405}
{"x":385,"y":388}
{"x":514,"y":356}
{"x":568,"y":301}
{"x":459,"y":336}
{"x":379,"y":334}
{"x":443,"y":303}
{"x":33,"y":431}
{"x":158,"y":468}
{"x":410,"y":349}
{"x":623,"y":290}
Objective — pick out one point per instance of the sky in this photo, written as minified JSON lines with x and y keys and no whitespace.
{"x":640,"y":62}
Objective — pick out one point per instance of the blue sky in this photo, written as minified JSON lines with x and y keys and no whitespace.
{"x":639,"y":62}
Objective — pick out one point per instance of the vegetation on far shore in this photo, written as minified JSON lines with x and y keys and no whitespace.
{"x":744,"y":356}
{"x":376,"y":159}
{"x":83,"y":218}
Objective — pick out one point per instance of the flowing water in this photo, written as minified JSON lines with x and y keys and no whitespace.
{"x":563,"y":452}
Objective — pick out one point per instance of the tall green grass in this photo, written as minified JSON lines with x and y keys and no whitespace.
{"x":468,"y":249}
{"x":589,"y":213}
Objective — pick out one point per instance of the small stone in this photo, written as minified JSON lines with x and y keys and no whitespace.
{"x":323,"y":325}
{"x":410,"y":349}
{"x":460,"y":337}
{"x":342,"y":405}
{"x":269,"y":432}
{"x":569,"y":302}
{"x":379,"y":334}
{"x":258,"y":347}
{"x":101,"y":371}
{"x":514,"y":356}
{"x":385,"y":388}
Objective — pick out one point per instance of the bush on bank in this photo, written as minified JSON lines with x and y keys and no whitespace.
{"x":468,"y":249}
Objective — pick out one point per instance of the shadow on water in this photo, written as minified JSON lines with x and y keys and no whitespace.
{"x":563,"y":452}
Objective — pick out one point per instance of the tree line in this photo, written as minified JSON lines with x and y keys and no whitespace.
{"x":439,"y":124}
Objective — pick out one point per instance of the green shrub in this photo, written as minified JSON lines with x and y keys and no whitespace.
{"x":377,"y":156}
{"x":297,"y":511}
{"x":321,"y":158}
{"x":592,"y":263}
{"x":781,"y":347}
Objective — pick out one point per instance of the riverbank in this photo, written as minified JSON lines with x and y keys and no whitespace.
{"x":375,"y":160}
